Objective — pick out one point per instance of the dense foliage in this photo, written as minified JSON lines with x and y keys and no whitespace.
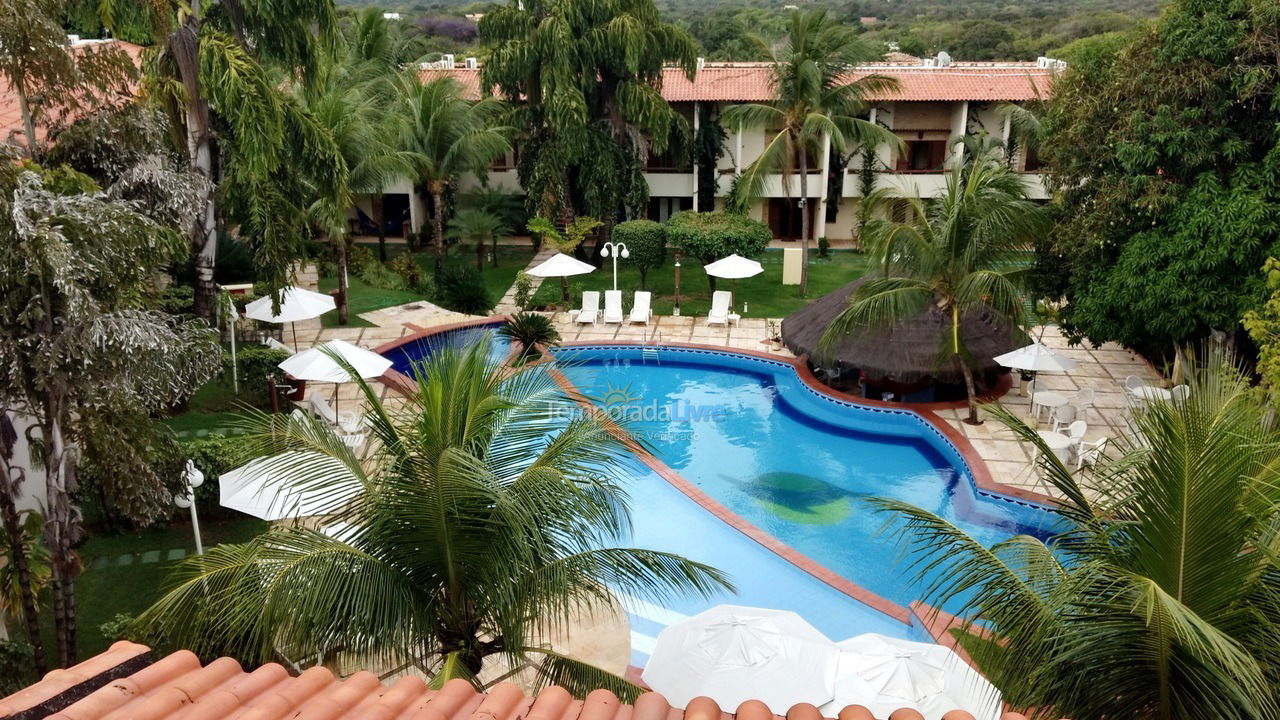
{"x":711,"y":236}
{"x":1167,"y":166}
{"x":529,"y":330}
{"x":1155,"y":597}
{"x":646,"y":243}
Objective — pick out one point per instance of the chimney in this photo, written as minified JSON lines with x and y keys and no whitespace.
{"x":472,"y":63}
{"x":446,"y":60}
{"x":702,"y":62}
{"x":944,"y":59}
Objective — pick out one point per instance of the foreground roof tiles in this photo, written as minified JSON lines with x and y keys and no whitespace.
{"x":752,"y":82}
{"x":178,"y":687}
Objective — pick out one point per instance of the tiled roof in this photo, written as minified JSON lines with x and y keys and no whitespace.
{"x":11,"y":114}
{"x":751,"y":82}
{"x":178,"y":687}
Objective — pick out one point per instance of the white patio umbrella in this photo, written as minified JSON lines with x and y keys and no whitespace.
{"x":259,"y":487}
{"x":884,"y":674}
{"x":732,"y":268}
{"x":733,"y":654}
{"x":1036,"y":358}
{"x":318,"y":366}
{"x":295,"y":304}
{"x":561,"y":266}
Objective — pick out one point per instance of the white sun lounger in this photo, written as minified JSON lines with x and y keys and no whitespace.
{"x":275,"y":344}
{"x":321,"y":409}
{"x":590,"y":306}
{"x":613,"y":306}
{"x":640,"y":311}
{"x":719,"y":313}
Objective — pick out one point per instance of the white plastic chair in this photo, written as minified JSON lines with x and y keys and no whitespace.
{"x":1133,"y":382}
{"x":321,"y":409}
{"x":1076,"y":430}
{"x":1033,"y":387}
{"x":719,"y":313}
{"x":1063,"y":415}
{"x":1089,"y":453}
{"x":1180,"y":393}
{"x":612,"y":306}
{"x":640,"y":307}
{"x":590,"y":307}
{"x":1083,"y":399}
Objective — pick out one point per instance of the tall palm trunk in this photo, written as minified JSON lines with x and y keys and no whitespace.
{"x":58,"y":528}
{"x":437,"y":224}
{"x":379,"y":211}
{"x":804,"y":221}
{"x":10,"y":478}
{"x":965,"y":370}
{"x":185,"y":46}
{"x":340,"y":250}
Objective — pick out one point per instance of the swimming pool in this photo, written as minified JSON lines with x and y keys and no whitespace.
{"x":402,"y":356}
{"x":790,"y":460}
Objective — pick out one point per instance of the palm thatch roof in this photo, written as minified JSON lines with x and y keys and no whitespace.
{"x":910,"y":353}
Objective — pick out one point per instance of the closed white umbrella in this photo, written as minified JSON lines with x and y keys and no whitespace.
{"x":884,"y":674}
{"x":732,"y":654}
{"x":561,"y":266}
{"x":733,"y":267}
{"x":1036,"y":358}
{"x":260,"y":488}
{"x":295,"y":304}
{"x":320,"y":366}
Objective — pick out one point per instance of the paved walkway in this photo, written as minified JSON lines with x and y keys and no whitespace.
{"x":507,"y":305}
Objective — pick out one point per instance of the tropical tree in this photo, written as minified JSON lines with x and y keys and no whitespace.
{"x":450,"y":136}
{"x":711,"y":236}
{"x":212,"y":67}
{"x":25,"y":564}
{"x":816,"y":107}
{"x":646,"y":242}
{"x":960,"y":253}
{"x":81,"y":354}
{"x":480,"y":227}
{"x":585,"y":79}
{"x":486,"y":510}
{"x":1154,"y":597}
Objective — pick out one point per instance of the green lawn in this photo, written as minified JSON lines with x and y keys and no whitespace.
{"x":103,"y":592}
{"x":764,"y":294}
{"x":212,"y":408}
{"x":363,"y":298}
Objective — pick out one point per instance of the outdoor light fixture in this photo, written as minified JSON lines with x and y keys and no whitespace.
{"x":194,"y":479}
{"x":676,"y":311}
{"x":613,"y":249}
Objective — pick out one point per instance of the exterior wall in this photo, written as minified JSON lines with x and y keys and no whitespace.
{"x":31,"y":496}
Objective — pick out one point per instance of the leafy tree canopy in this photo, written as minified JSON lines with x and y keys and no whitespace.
{"x":646,"y":242}
{"x":1168,"y":176}
{"x":711,"y":236}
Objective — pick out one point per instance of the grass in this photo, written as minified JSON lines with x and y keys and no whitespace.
{"x":362,"y":297}
{"x":104,"y":592}
{"x":214,"y":407}
{"x":764,"y":294}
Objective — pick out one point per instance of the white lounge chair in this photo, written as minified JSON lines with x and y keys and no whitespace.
{"x":640,"y":310}
{"x":719,"y":312}
{"x":590,"y":307}
{"x":1180,"y":393}
{"x":320,"y":407}
{"x":613,"y":306}
{"x":275,"y":344}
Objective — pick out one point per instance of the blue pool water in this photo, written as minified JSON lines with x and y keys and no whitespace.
{"x":797,"y":464}
{"x":402,"y":357}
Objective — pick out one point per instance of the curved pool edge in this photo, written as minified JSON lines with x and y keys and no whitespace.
{"x":400,"y":382}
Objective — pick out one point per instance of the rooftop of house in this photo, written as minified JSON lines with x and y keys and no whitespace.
{"x":918,"y":80}
{"x":126,"y":683}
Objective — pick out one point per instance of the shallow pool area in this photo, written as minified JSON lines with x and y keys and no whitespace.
{"x":404,"y":355}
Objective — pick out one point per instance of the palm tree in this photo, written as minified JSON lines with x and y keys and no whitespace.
{"x":450,"y":136}
{"x":1156,"y":597}
{"x":960,"y":253}
{"x":816,"y":107}
{"x":480,"y":227}
{"x":488,"y":509}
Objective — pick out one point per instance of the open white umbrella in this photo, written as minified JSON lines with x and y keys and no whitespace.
{"x":732,"y":268}
{"x":319,"y":366}
{"x":295,"y":304}
{"x":259,"y":487}
{"x":732,"y":654}
{"x":1036,"y":358}
{"x":884,"y":674}
{"x":561,"y":266}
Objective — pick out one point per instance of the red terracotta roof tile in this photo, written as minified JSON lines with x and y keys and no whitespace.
{"x":178,"y":687}
{"x":751,"y":82}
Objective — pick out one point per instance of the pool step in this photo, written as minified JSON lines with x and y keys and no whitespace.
{"x":648,"y":353}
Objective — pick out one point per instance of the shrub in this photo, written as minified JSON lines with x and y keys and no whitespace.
{"x":410,"y":272}
{"x":178,"y":299}
{"x":117,"y":628}
{"x":824,"y":247}
{"x":256,"y":362}
{"x":529,"y":330}
{"x":711,"y":236}
{"x":17,"y":666}
{"x":524,"y":290}
{"x":213,"y":455}
{"x":646,"y":242}
{"x":379,"y":275}
{"x":461,"y":289}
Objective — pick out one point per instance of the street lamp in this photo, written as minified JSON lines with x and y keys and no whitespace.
{"x":676,"y":312}
{"x":194,"y":479}
{"x":613,"y":249}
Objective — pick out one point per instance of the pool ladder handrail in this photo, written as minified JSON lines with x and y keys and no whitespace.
{"x":650,"y":349}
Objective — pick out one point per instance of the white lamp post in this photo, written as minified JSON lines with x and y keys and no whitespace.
{"x":195,"y":479}
{"x":613,"y":249}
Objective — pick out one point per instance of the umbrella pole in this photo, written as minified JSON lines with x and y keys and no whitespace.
{"x":294,"y":327}
{"x":564,"y":290}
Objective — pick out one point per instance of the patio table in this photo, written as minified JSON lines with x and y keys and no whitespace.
{"x":1059,"y":443}
{"x":1049,"y":400}
{"x":1150,"y":392}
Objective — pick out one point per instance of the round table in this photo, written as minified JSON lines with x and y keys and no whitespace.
{"x":1059,"y":443}
{"x":1150,"y":392}
{"x":1048,"y":399}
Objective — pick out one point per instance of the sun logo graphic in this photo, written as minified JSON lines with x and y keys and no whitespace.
{"x":615,"y":396}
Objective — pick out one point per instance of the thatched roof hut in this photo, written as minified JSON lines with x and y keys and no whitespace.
{"x":910,"y":353}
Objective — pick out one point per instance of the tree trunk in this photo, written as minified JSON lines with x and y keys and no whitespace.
{"x":28,"y":120}
{"x":965,"y":370}
{"x":379,"y":218}
{"x":10,"y":478}
{"x":340,"y":249}
{"x":58,"y":529}
{"x":204,"y":230}
{"x":494,"y":242}
{"x":805,"y":230}
{"x":480,"y":248}
{"x":437,"y":225}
